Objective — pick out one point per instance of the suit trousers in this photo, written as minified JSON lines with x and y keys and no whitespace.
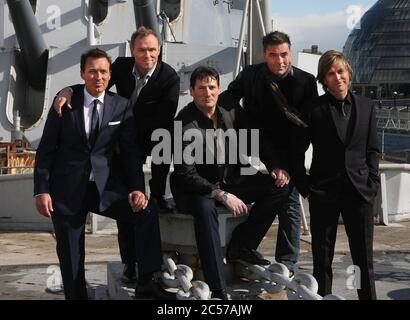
{"x":268,"y":200}
{"x":357,"y":216}
{"x":70,"y":234}
{"x":125,"y":233}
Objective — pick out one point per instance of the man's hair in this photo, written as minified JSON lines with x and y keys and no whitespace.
{"x":143,"y":32}
{"x":202,"y":73}
{"x":275,"y":38}
{"x":94,"y":53}
{"x":325,"y":63}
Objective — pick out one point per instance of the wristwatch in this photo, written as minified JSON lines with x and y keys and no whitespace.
{"x":224,"y":197}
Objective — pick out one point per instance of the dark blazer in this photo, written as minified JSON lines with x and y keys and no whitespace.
{"x":251,"y":85}
{"x":202,"y":178}
{"x":64,"y":158}
{"x":157,"y":102}
{"x":357,"y":159}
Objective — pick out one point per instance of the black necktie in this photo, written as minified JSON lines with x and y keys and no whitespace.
{"x":95,"y":124}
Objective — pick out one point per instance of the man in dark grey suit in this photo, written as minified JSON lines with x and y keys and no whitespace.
{"x":153,"y":88}
{"x":343,"y":177}
{"x":74,"y":175}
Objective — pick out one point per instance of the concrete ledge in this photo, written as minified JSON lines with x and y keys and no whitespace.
{"x":178,"y":232}
{"x":18,"y":211}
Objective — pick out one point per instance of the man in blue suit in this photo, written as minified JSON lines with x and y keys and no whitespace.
{"x":74,"y":175}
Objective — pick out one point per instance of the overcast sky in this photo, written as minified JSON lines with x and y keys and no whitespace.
{"x":326,"y":23}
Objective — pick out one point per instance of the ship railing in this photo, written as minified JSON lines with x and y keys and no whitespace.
{"x":393,"y":119}
{"x":16,"y":170}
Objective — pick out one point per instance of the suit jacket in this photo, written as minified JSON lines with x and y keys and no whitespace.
{"x":64,"y":158}
{"x":157,"y":102}
{"x":203,"y":178}
{"x":356,"y":160}
{"x":251,"y":85}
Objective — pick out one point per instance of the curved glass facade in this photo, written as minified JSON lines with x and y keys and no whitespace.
{"x":379,"y":51}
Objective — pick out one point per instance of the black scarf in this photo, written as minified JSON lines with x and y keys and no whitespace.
{"x":279,"y":98}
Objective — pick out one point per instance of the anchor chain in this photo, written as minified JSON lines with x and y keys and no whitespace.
{"x":180,"y":276}
{"x":301,"y":286}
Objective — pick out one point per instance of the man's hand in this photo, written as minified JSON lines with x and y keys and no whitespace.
{"x":233,"y":204}
{"x":281,"y":176}
{"x":44,"y":204}
{"x":63,"y":97}
{"x":137,"y":201}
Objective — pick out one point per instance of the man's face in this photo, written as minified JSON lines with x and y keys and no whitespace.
{"x":96,"y":75}
{"x":337,"y":80}
{"x":205,"y":93}
{"x":145,"y":51}
{"x":278,"y":58}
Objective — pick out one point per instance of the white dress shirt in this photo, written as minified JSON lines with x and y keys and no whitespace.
{"x":140,"y":83}
{"x":88,"y":111}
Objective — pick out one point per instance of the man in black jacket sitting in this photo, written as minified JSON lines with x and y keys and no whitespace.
{"x":209,"y":174}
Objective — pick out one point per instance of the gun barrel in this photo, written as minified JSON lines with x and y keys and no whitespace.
{"x":145,"y":15}
{"x":32,"y":44}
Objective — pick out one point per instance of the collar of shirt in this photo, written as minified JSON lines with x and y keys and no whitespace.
{"x":146,"y":77}
{"x":342,"y":108}
{"x":273,"y":77}
{"x":205,"y":123}
{"x":334,"y":101}
{"x":88,"y":103}
{"x":88,"y":98}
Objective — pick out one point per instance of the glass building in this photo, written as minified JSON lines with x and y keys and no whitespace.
{"x":379,"y":51}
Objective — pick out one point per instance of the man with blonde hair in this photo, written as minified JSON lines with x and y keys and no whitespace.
{"x":343,"y":178}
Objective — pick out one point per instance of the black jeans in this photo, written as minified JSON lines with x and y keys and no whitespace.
{"x":268,"y":201}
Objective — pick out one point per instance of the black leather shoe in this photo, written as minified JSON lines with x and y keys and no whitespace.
{"x":163,"y":205}
{"x":220,"y":294}
{"x":153,"y":290}
{"x":129,"y":274}
{"x":248,"y":255}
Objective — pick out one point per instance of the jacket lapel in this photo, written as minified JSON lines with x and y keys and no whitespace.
{"x":227,"y":118}
{"x":107,"y":110}
{"x":78,"y":105}
{"x":357,"y":113}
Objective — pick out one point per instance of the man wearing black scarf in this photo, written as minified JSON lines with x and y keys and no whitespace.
{"x":273,"y":94}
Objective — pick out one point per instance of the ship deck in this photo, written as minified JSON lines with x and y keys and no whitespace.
{"x":27,"y":261}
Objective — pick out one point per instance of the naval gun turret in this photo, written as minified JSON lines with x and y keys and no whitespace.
{"x":145,"y":14}
{"x":32,"y":45}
